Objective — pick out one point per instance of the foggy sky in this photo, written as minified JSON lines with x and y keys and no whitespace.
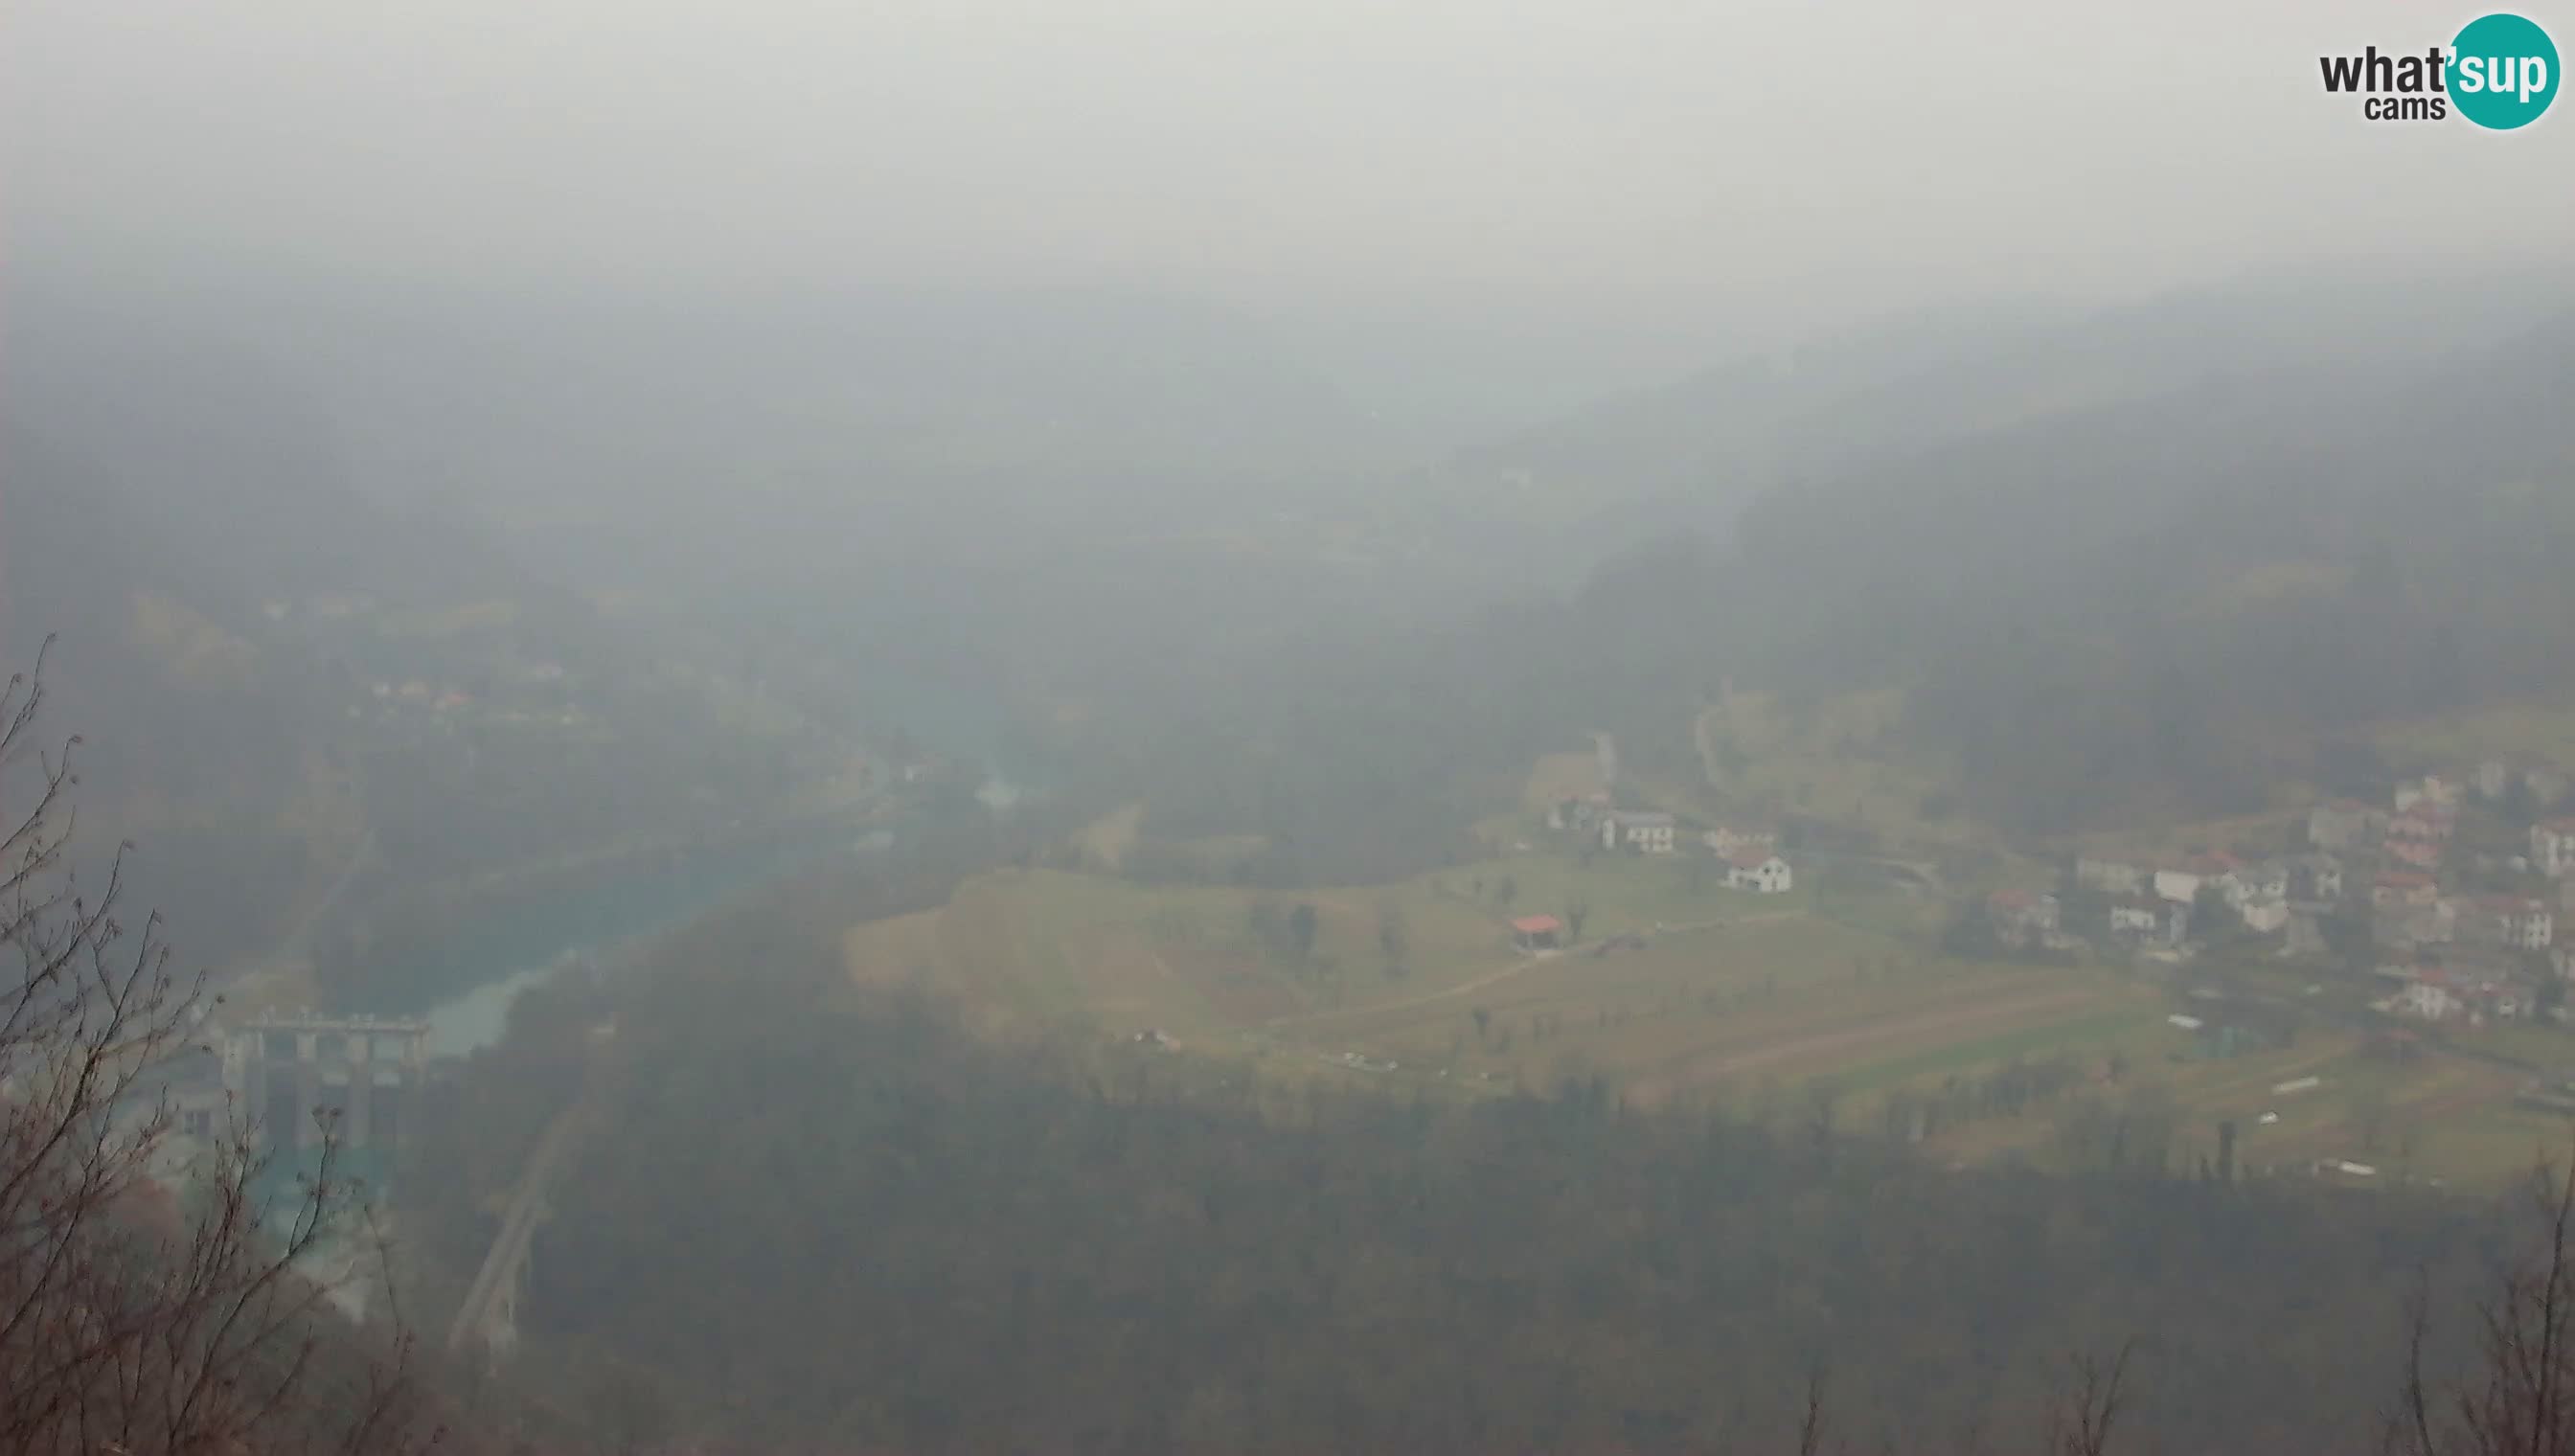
{"x":1683,"y":172}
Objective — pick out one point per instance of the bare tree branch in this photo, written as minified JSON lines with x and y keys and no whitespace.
{"x":143,"y":1309}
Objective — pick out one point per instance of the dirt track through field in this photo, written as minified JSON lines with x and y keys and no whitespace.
{"x":1377,"y":1010}
{"x":1845,"y":1043}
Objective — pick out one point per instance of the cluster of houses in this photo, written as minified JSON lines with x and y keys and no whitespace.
{"x":2152,"y":902}
{"x":1749,"y":853}
{"x":2462,"y":935}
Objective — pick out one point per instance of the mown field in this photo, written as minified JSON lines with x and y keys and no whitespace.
{"x":1831,"y":1001}
{"x":1733,"y":992}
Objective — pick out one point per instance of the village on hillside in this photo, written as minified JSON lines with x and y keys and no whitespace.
{"x":2448,"y":893}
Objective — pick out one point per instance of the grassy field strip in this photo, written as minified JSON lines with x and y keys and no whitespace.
{"x":1849,"y":1042}
{"x":1735,"y":1005}
{"x":2089,"y":1030}
{"x":1774,"y":990}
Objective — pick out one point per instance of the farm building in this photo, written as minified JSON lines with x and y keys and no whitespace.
{"x":2110,"y":877}
{"x":1537,"y":932}
{"x":1646,"y":832}
{"x":1757,"y":871}
{"x":1728,"y":839}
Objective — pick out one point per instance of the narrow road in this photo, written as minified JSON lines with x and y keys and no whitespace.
{"x":507,"y":1257}
{"x":299,"y":944}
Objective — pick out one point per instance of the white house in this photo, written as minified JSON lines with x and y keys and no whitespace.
{"x":2110,"y":877}
{"x":1727,"y":839}
{"x":2523,"y":924}
{"x":2135,"y":917}
{"x":2429,"y":998}
{"x":2535,"y":929}
{"x":2432,"y":790}
{"x":2183,"y":883}
{"x":2497,"y":777}
{"x":2428,"y":820}
{"x":2268,"y":880}
{"x":2552,"y":847}
{"x":2265,"y":913}
{"x":1757,"y":871}
{"x":2178,"y":886}
{"x":2316,"y":878}
{"x":1646,"y":832}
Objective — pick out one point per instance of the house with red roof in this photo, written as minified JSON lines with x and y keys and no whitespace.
{"x":2438,"y":993}
{"x":2427,"y":820}
{"x":2020,"y":916}
{"x":2416,"y":853}
{"x":2403,"y":887}
{"x":2515,"y":921}
{"x":1537,"y":932}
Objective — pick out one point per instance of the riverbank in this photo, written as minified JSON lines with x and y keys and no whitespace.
{"x":422,"y":950}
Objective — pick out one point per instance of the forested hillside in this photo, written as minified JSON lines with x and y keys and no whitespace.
{"x":1696,"y":453}
{"x":2164,"y":606}
{"x":826,"y":1223}
{"x":2175,"y":602}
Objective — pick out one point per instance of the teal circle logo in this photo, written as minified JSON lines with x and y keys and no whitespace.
{"x":2503,"y":72}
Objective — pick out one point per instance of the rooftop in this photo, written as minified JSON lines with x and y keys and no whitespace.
{"x":312,"y":1020}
